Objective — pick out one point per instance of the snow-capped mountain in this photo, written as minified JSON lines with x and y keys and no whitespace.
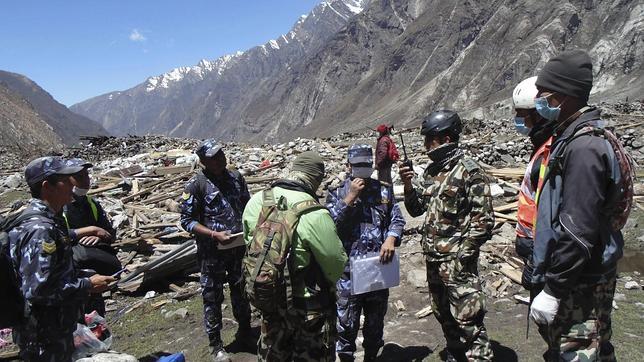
{"x":350,"y":64}
{"x":188,"y":101}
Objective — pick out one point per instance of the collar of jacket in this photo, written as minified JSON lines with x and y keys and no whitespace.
{"x":591,"y":114}
{"x":294,"y":186}
{"x":214,"y":178}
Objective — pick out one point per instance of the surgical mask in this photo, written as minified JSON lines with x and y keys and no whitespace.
{"x":79,"y":192}
{"x":361,"y":172}
{"x":519,"y":125}
{"x":544,"y":109}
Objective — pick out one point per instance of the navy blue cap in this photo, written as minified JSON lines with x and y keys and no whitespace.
{"x":73,"y":162}
{"x":360,"y":154}
{"x":43,"y":167}
{"x":208,"y":148}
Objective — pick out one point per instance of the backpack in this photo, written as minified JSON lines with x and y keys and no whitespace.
{"x":393,"y":152}
{"x":12,"y":302}
{"x":266,"y":264}
{"x":621,"y":209}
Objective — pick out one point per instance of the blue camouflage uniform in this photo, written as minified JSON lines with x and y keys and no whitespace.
{"x":49,"y":283}
{"x":41,"y":252}
{"x":218,"y":202}
{"x":363,"y":228}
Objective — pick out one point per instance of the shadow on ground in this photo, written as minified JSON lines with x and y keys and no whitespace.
{"x":503,"y":353}
{"x":398,"y":353}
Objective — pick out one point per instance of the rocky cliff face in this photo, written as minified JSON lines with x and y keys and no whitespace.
{"x":64,"y":123}
{"x":344,"y":69}
{"x":22,"y":130}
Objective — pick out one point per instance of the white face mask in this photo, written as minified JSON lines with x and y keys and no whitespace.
{"x":361,"y":172}
{"x":80,"y":192}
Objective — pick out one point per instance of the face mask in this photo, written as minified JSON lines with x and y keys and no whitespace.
{"x":519,"y":124}
{"x":79,"y":192}
{"x":361,"y":172}
{"x":544,"y":109}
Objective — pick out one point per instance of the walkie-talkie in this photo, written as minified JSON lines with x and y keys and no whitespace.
{"x":406,"y":161}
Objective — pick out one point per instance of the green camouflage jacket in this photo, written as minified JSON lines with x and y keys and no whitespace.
{"x":459,"y":215}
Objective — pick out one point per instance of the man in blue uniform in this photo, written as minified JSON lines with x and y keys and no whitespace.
{"x":41,"y":252}
{"x":211,"y":209}
{"x":368,"y":220}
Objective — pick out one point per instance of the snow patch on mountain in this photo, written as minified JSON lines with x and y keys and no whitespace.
{"x":194,"y":73}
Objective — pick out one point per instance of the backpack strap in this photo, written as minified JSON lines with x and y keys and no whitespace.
{"x":302,"y":207}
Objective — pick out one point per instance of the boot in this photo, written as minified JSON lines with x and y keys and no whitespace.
{"x":218,"y":354}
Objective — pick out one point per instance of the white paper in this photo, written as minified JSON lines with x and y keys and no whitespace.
{"x":237,"y":240}
{"x":368,"y":274}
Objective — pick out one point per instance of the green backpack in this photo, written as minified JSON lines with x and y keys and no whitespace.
{"x":266,"y":264}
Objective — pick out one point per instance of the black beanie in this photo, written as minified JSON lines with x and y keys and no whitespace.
{"x":569,"y":73}
{"x":310,"y":163}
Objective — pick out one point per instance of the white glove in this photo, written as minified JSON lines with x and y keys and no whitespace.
{"x":544,"y":308}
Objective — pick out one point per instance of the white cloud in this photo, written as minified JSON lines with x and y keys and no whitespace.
{"x":135,"y":35}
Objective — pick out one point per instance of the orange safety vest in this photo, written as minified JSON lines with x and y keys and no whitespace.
{"x":527,"y":209}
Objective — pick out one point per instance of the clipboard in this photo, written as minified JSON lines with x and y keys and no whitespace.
{"x":237,"y":240}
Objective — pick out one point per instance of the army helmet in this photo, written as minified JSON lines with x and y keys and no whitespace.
{"x":441,"y":121}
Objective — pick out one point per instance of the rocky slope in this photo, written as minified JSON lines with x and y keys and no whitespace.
{"x":22,"y":130}
{"x":342,"y":69}
{"x":64,"y":123}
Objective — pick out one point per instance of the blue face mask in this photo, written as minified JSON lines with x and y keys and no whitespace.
{"x":544,"y":109}
{"x":519,"y":125}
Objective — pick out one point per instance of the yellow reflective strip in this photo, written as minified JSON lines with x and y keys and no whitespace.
{"x":92,"y":205}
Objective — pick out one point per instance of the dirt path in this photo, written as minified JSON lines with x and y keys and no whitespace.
{"x":146,"y":332}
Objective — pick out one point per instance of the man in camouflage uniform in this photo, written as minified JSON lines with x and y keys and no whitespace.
{"x":41,"y":252}
{"x":368,"y":220}
{"x":456,"y":196}
{"x":307,"y":330}
{"x":211,"y":209}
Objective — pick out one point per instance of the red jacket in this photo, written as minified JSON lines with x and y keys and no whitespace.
{"x":386,"y":152}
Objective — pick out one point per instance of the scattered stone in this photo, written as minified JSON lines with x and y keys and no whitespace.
{"x":417,"y":278}
{"x":400,"y":306}
{"x":424,"y":312}
{"x":180,"y":313}
{"x":150,"y":294}
{"x":619,"y":297}
{"x":631,"y":285}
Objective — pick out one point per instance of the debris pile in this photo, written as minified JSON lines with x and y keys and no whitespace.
{"x":139,"y":182}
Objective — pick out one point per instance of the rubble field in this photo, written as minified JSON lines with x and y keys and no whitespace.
{"x":156,"y":308}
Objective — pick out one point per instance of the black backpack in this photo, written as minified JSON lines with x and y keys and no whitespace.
{"x":12,"y":302}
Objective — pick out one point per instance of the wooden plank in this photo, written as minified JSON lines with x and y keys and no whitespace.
{"x":102,"y":189}
{"x":507,"y":207}
{"x":171,"y":170}
{"x":510,"y":272}
{"x":505,"y":217}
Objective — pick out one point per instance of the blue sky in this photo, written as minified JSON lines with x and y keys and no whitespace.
{"x":77,"y":49}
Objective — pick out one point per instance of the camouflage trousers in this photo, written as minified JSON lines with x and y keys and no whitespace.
{"x":225,"y":268}
{"x":47,"y":335}
{"x":459,"y":306}
{"x":298,"y":335}
{"x":349,"y":308}
{"x":581,"y":330}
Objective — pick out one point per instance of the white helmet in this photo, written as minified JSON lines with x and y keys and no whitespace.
{"x":524,"y":94}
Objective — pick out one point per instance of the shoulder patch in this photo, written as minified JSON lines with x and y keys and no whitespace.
{"x":49,"y":248}
{"x":185,"y":195}
{"x":470,"y":164}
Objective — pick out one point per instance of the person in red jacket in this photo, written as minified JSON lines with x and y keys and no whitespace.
{"x":386,"y":153}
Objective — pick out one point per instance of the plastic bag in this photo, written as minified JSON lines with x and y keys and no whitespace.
{"x":368,"y":274}
{"x":91,"y":338}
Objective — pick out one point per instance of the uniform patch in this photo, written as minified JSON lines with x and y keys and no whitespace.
{"x":470,"y":164}
{"x":49,"y":248}
{"x":185,"y":195}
